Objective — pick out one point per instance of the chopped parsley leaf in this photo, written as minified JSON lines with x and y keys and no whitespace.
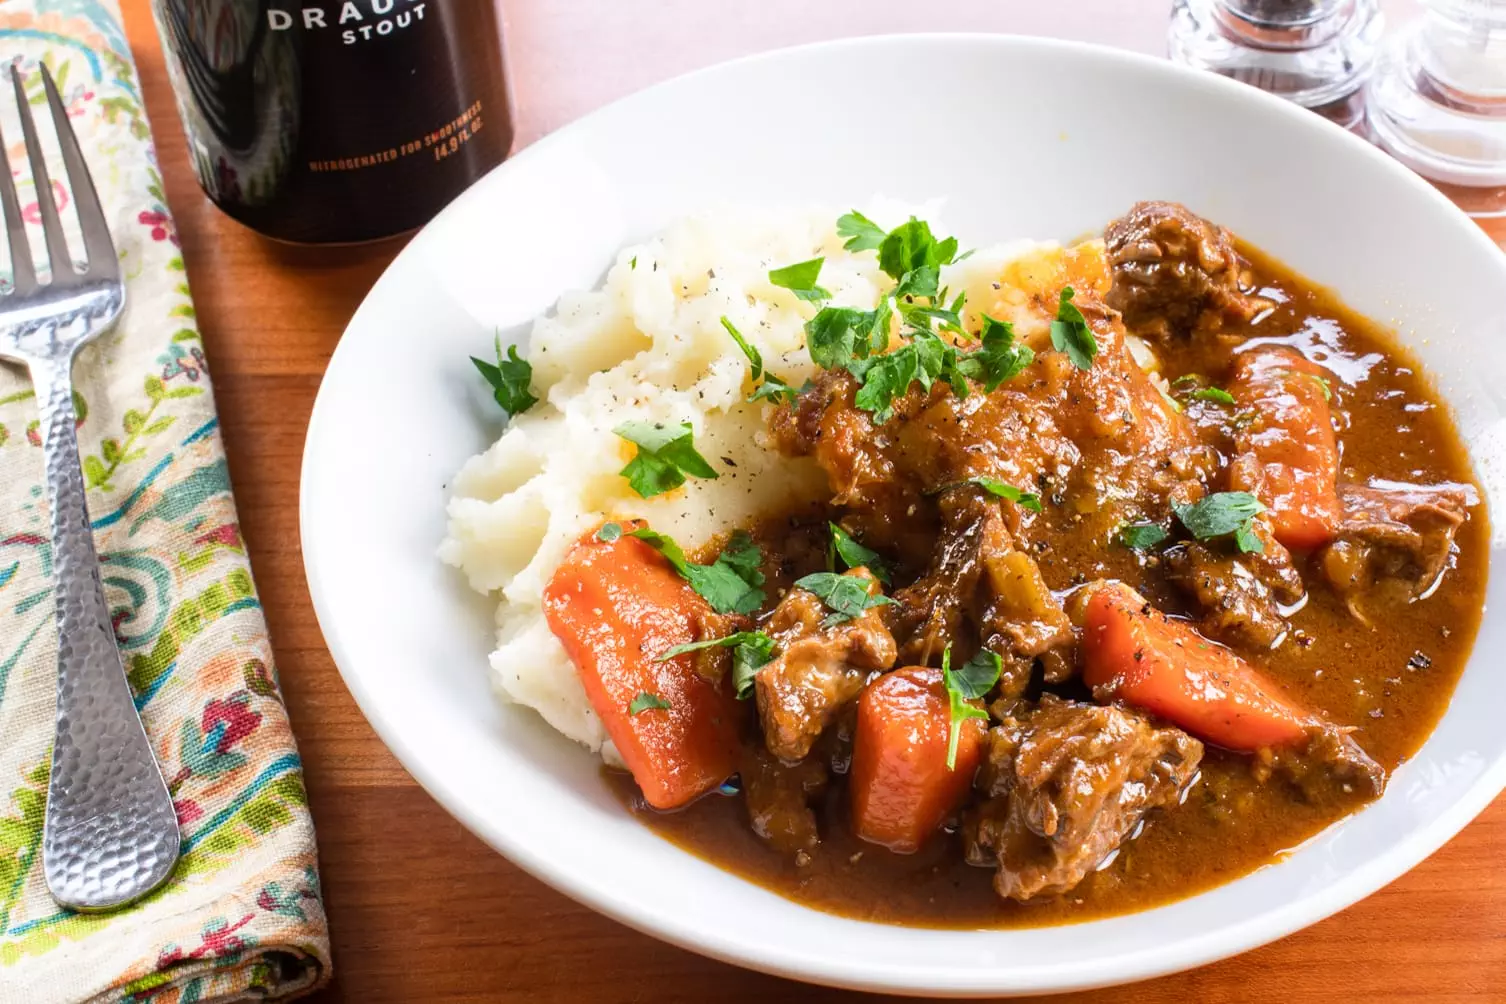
{"x":754,"y":356}
{"x":1222,"y":514}
{"x":665,"y":455}
{"x":838,"y":336}
{"x":751,"y":651}
{"x":609,"y":532}
{"x":509,"y":378}
{"x":771,"y":387}
{"x":911,"y":246}
{"x":999,"y":359}
{"x":1003,"y":490}
{"x":1141,"y":536}
{"x":948,"y":318}
{"x":855,"y":555}
{"x":800,"y":279}
{"x":846,"y":596}
{"x":731,"y":584}
{"x":1070,"y":332}
{"x":922,"y":281}
{"x":969,"y":683}
{"x":644,"y":701}
{"x":862,"y":233}
{"x":924,"y":359}
{"x":1215,"y":394}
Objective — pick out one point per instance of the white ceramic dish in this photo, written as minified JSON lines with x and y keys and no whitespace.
{"x":1032,"y":138}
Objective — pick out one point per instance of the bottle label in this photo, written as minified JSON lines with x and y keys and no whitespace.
{"x":436,"y":144}
{"x":355,"y":25}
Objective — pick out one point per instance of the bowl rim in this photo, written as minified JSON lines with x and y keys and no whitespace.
{"x":1220,"y":943}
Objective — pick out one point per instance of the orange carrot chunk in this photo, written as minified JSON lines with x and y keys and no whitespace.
{"x":1286,"y":453}
{"x":1134,"y":653}
{"x":900,"y":787}
{"x":615,"y":606}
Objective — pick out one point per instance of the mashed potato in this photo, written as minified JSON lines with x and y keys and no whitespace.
{"x":649,"y":345}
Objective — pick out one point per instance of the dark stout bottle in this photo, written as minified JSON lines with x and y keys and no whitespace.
{"x":337,"y":121}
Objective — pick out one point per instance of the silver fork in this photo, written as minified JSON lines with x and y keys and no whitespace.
{"x":111,"y":833}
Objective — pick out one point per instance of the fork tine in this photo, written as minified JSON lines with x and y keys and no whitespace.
{"x":23,"y":272}
{"x":52,"y":227}
{"x":100,"y":249}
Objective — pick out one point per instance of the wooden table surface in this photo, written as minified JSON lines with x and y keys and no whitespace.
{"x":420,"y":910}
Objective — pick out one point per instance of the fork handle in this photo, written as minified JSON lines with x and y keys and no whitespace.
{"x":111,"y":833}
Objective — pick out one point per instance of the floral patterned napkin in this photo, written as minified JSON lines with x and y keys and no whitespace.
{"x":241,"y":918}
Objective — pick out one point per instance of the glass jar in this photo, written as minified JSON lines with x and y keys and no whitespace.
{"x":1316,"y":53}
{"x":1437,"y":103}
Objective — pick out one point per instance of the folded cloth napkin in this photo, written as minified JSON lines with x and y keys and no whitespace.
{"x":241,"y":918}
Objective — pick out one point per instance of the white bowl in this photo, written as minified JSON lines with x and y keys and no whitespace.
{"x":1023,"y":137}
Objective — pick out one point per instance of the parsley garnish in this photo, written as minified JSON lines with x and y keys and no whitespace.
{"x":609,"y":532}
{"x":969,"y":683}
{"x":751,"y":651}
{"x":947,"y":318}
{"x":730,"y":584}
{"x":800,"y":279}
{"x":509,"y":377}
{"x":856,"y":340}
{"x":838,"y":336}
{"x":665,"y":456}
{"x":768,"y":385}
{"x":1070,"y":332}
{"x":772,"y":389}
{"x":924,"y":359}
{"x":1003,"y":490}
{"x":911,"y":248}
{"x":846,"y":596}
{"x":1215,"y":394}
{"x":999,"y":359}
{"x":755,"y":358}
{"x":862,"y":233}
{"x":1141,"y":536}
{"x":644,"y":701}
{"x":855,"y":555}
{"x":1222,"y":514}
{"x":633,"y":262}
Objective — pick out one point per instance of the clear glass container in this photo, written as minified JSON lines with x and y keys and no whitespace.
{"x":1437,"y":103}
{"x":1316,"y":53}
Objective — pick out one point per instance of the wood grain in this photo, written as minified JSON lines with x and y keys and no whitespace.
{"x":420,"y":909}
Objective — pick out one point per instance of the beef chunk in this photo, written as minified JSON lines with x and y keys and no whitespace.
{"x":1393,"y":543}
{"x":980,"y":581}
{"x":778,"y":798}
{"x":1175,"y":274}
{"x":818,"y":669}
{"x":1240,"y":595}
{"x":1067,"y":784}
{"x":933,"y":609}
{"x":1329,"y":766}
{"x":1020,"y":614}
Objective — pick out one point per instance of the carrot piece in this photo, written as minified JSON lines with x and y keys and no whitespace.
{"x":900,"y":786}
{"x":615,"y":606}
{"x":1287,"y":456}
{"x":1134,"y":652}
